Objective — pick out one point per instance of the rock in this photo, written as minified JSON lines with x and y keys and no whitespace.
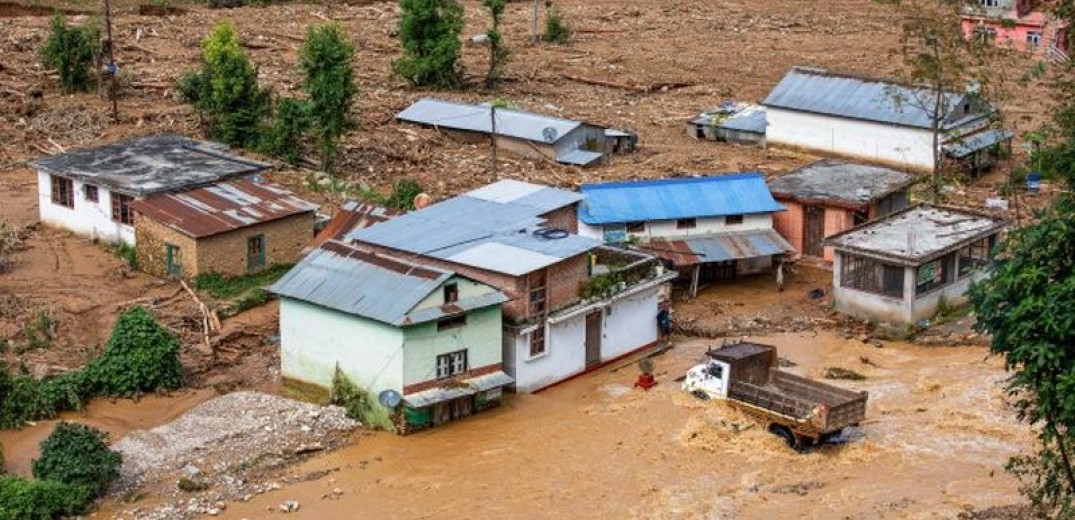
{"x":212,"y":511}
{"x":191,"y":470}
{"x":289,"y":506}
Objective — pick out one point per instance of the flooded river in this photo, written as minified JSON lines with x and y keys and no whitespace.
{"x":937,"y":435}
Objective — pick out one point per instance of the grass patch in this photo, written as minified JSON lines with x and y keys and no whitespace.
{"x":843,"y":373}
{"x":360,"y":404}
{"x":232,"y":287}
{"x":38,"y":333}
{"x":125,"y":252}
{"x":189,"y":485}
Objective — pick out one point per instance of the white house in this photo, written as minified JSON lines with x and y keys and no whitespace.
{"x":429,"y":335}
{"x":875,"y":120}
{"x":89,"y":191}
{"x":900,"y":267}
{"x":706,"y":227}
{"x":569,"y":310}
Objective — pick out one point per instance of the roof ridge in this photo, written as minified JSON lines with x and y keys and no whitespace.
{"x":817,"y":71}
{"x":673,"y":180}
{"x":399,"y":265}
{"x":485,"y":105}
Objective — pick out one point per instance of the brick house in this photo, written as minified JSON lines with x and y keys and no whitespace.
{"x":89,"y":192}
{"x":828,"y":196}
{"x":567,"y":311}
{"x":1023,"y":25}
{"x":231,"y":228}
{"x":430,"y":335}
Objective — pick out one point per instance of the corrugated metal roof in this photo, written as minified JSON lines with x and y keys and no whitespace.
{"x":915,"y":234}
{"x":477,"y":118}
{"x":496,"y":228}
{"x":469,"y":387}
{"x":751,"y":119}
{"x":840,"y":183}
{"x":579,"y":157}
{"x":823,"y":92}
{"x":979,"y":141}
{"x":147,"y":165}
{"x":221,"y":207}
{"x":718,"y":248}
{"x":667,"y":199}
{"x":379,"y":287}
{"x":353,"y":215}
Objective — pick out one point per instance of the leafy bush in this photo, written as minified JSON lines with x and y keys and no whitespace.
{"x":403,"y":194}
{"x":70,"y":51}
{"x":189,"y":485}
{"x":78,"y":455}
{"x":38,"y":333}
{"x":556,"y":30}
{"x":359,"y":403}
{"x":140,"y":356}
{"x":282,"y":138}
{"x":22,"y":499}
{"x":429,"y":34}
{"x":225,"y":92}
{"x":126,"y":252}
{"x":328,"y":80}
{"x":227,"y":287}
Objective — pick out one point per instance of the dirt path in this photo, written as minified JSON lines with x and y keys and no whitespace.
{"x":937,"y":434}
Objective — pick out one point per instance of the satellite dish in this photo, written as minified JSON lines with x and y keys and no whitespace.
{"x":389,"y":398}
{"x":549,"y":133}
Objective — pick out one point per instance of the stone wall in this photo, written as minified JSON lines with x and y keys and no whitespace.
{"x":151,"y":240}
{"x":284,"y":239}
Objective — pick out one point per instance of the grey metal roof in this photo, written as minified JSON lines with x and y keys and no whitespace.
{"x":840,"y":183}
{"x":718,"y":247}
{"x":147,"y":165}
{"x":579,"y":157}
{"x":979,"y":141}
{"x":496,"y":228}
{"x":477,"y":118}
{"x":916,"y":234}
{"x":470,"y":387}
{"x":379,"y":287}
{"x":751,"y":119}
{"x":823,"y":92}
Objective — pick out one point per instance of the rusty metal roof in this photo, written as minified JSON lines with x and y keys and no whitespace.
{"x":221,"y":207}
{"x":717,"y":248}
{"x":353,"y":216}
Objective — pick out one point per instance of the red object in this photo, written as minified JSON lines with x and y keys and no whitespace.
{"x":645,"y":381}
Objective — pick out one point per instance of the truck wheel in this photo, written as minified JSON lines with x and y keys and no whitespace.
{"x":786,"y":434}
{"x":700,"y":395}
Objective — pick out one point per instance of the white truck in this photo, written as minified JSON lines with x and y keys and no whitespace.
{"x":802,"y":411}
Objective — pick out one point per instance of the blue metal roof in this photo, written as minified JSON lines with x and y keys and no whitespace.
{"x":823,"y":92}
{"x":347,"y":279}
{"x":667,"y":199}
{"x":477,"y":118}
{"x":497,"y":228}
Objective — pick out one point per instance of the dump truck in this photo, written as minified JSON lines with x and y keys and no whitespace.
{"x":802,"y":411}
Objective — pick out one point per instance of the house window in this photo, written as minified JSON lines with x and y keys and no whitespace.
{"x":537,"y":292}
{"x":933,"y":275}
{"x":977,"y":254}
{"x":869,"y":275}
{"x":686,"y":223}
{"x":453,"y":322}
{"x":121,"y":209}
{"x":985,"y":33}
{"x":91,"y":193}
{"x":451,"y":364}
{"x":1033,"y":38}
{"x":63,"y":192}
{"x":451,"y":293}
{"x":636,"y":227}
{"x":989,"y":3}
{"x":731,"y":220}
{"x":859,"y":217}
{"x":537,"y":342}
{"x":255,"y":253}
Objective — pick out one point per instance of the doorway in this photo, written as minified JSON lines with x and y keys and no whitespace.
{"x":593,"y":338}
{"x":813,"y":230}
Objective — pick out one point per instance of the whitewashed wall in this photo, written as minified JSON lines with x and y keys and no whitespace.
{"x":88,"y":219}
{"x":704,"y":226}
{"x":630,"y":323}
{"x":565,"y":355}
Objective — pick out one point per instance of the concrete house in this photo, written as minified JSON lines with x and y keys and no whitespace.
{"x":430,"y":335}
{"x":899,"y":268}
{"x":231,"y":227}
{"x":1023,"y":25}
{"x":707,"y":228}
{"x":89,"y":192}
{"x":737,"y":123}
{"x":876,"y":120}
{"x":522,"y":133}
{"x":569,"y":310}
{"x":828,"y":196}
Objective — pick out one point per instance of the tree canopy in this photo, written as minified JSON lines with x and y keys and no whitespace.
{"x":429,"y":33}
{"x":326,"y":61}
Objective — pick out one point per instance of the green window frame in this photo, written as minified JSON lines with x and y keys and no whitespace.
{"x":255,"y":253}
{"x":173,"y":260}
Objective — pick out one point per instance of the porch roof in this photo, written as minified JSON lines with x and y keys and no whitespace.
{"x":468,"y":387}
{"x":976,"y":142}
{"x":716,"y":248}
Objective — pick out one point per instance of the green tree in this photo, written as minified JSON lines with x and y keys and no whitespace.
{"x":429,"y":33}
{"x":283,"y":136}
{"x":225,"y":92}
{"x":403,"y":194}
{"x":140,"y":356}
{"x":22,"y":499}
{"x":498,"y":53}
{"x":78,"y":455}
{"x":556,"y":30}
{"x":326,"y":62}
{"x":71,"y":52}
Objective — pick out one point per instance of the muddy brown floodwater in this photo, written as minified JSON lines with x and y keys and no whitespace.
{"x":937,"y":434}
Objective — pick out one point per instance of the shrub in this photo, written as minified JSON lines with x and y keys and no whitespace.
{"x":556,"y":30}
{"x":127,"y":253}
{"x":403,"y":194}
{"x":71,"y":51}
{"x":22,"y":499}
{"x":78,"y":455}
{"x":38,"y":333}
{"x":498,"y":53}
{"x":429,"y":34}
{"x":140,"y":356}
{"x":227,"y":287}
{"x":189,"y":485}
{"x":842,"y":373}
{"x":359,"y":403}
{"x":325,"y":59}
{"x":282,"y":138}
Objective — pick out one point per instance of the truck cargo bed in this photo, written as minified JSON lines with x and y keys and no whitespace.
{"x":799,"y":399}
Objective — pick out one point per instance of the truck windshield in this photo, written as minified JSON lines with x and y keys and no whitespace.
{"x":716,"y":371}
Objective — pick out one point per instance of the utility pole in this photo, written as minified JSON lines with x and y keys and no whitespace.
{"x":492,"y":118}
{"x":112,"y":69}
{"x":534,"y":28}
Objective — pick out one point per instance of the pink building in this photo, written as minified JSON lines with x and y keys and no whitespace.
{"x":1018,"y":24}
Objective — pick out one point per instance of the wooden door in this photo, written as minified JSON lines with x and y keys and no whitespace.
{"x":462,"y":407}
{"x":255,"y":253}
{"x":593,"y":338}
{"x":813,"y":230}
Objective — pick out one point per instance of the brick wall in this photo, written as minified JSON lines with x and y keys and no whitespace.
{"x":151,"y":239}
{"x":564,"y":218}
{"x":790,"y":223}
{"x":563,"y":281}
{"x":836,"y":220}
{"x":284,"y":239}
